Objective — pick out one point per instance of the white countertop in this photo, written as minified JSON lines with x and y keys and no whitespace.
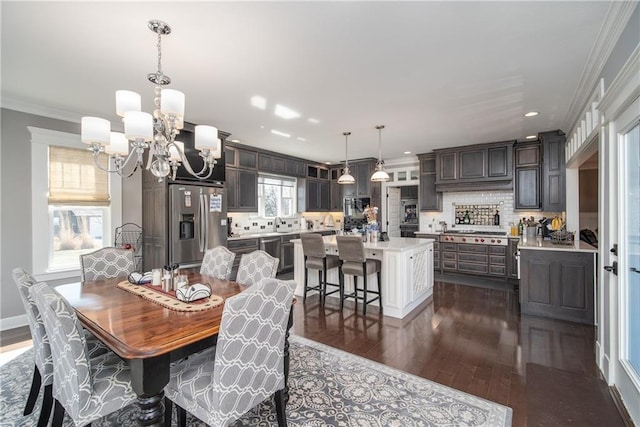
{"x":549,"y":245}
{"x":276,"y":233}
{"x":397,"y":244}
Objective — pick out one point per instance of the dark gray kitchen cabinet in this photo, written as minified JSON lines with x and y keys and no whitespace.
{"x":269,"y":163}
{"x":335,"y":190}
{"x":240,"y":247}
{"x":317,"y":195}
{"x":475,"y":167}
{"x":286,"y":259}
{"x":557,"y":284}
{"x":295,"y":168}
{"x":240,"y":158}
{"x":324,"y":195}
{"x":409,"y":192}
{"x":512,"y":258}
{"x":553,"y":175}
{"x":430,"y":199}
{"x":527,"y":171}
{"x":242,"y":190}
{"x":363,"y":173}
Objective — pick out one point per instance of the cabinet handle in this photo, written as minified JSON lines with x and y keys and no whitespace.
{"x":613,"y":268}
{"x":635,"y":270}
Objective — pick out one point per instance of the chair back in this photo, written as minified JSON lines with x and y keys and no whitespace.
{"x":72,"y":382}
{"x":313,"y":245}
{"x":218,"y":262}
{"x":350,"y":248}
{"x":41,"y":348}
{"x":256,"y":266}
{"x":106,"y":263}
{"x":249,"y":360}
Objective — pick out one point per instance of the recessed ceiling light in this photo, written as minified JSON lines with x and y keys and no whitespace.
{"x":285,"y":112}
{"x":531,"y":114}
{"x":531,"y":137}
{"x":259,"y":102}
{"x":407,"y":152}
{"x":277,"y":132}
{"x":312,"y":120}
{"x":301,"y":139}
{"x":261,"y":126}
{"x":235,"y":140}
{"x":327,"y":163}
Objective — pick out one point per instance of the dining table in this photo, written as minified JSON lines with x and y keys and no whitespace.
{"x":150,"y":336}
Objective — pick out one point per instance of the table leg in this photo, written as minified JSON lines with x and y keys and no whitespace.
{"x":286,"y":356}
{"x":148,"y":378}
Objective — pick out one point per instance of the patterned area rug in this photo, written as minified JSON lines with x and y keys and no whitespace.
{"x":328,"y":387}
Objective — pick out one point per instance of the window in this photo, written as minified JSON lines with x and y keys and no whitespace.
{"x":78,"y":204}
{"x":276,"y":196}
{"x":74,"y":204}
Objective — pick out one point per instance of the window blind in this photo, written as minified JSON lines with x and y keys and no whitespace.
{"x":74,"y":179}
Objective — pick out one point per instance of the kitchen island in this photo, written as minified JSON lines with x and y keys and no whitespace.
{"x":557,"y":280}
{"x":407,"y":272}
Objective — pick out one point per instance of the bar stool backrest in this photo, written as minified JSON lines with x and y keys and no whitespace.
{"x":350,"y":248}
{"x":313,"y":245}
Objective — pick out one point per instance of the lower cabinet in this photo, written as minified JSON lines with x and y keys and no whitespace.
{"x":286,"y":258}
{"x":485,"y":260}
{"x":557,"y":284}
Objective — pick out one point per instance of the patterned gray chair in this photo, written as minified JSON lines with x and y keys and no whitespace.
{"x":256,"y":266}
{"x":316,"y":258}
{"x":106,"y":263}
{"x":87,"y":389}
{"x":218,"y":262}
{"x":354,"y":262}
{"x":247,"y":365}
{"x":43,"y":370}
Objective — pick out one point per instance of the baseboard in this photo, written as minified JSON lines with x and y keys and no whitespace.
{"x":13,"y":322}
{"x":617,"y":400}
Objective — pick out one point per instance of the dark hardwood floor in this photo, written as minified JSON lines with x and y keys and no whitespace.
{"x":470,"y":338}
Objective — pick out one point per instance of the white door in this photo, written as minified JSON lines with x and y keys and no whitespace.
{"x":393,"y":211}
{"x":627,"y":367}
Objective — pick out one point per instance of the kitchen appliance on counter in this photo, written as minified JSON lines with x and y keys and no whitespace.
{"x":181,"y":221}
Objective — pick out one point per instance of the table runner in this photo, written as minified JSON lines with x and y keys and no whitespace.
{"x":169,"y":300}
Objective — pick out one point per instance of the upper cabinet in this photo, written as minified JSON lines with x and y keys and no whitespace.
{"x":430,"y":199}
{"x":527,"y":176}
{"x":240,"y":158}
{"x":475,"y":167}
{"x":554,"y":172}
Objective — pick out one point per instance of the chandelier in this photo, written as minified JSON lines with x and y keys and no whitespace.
{"x":380,"y":175}
{"x":155,"y":132}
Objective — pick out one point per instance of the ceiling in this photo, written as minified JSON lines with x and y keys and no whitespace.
{"x":437,"y":74}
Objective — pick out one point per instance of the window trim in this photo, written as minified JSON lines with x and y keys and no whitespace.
{"x":41,"y":139}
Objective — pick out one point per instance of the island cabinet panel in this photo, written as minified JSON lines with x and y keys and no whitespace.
{"x":557,"y":284}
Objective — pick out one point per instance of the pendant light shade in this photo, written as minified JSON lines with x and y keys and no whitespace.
{"x":380,"y":175}
{"x":346,"y":177}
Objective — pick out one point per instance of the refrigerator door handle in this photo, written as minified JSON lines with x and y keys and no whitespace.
{"x":205,"y":220}
{"x":202,"y":226}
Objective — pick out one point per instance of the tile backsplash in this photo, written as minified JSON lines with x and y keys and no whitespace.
{"x":250,"y":223}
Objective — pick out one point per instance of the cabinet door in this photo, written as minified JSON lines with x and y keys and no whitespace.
{"x":278,"y":164}
{"x":294,"y":168}
{"x":247,"y":190}
{"x":473,"y":164}
{"x":247,"y":159}
{"x":499,"y":164}
{"x":335,"y":204}
{"x":527,"y":155}
{"x":554,"y":172}
{"x":286,"y":260}
{"x":430,"y":199}
{"x":447,"y":163}
{"x":313,"y":195}
{"x":363,"y":173}
{"x":265,"y":162}
{"x":231,"y":185}
{"x":324,"y":195}
{"x":230,"y":157}
{"x":527,"y":193}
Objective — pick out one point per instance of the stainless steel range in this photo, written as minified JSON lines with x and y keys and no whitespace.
{"x":475,"y":237}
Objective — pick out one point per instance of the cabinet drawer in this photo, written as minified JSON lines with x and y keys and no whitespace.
{"x":449,"y":256}
{"x":473,"y":268}
{"x":234,"y":245}
{"x":289,"y":237}
{"x":496,"y":270}
{"x":497,"y":260}
{"x":449,"y":247}
{"x":498,"y":250}
{"x":449,"y":265}
{"x":462,"y":257}
{"x":477,"y":249}
{"x":436,"y":263}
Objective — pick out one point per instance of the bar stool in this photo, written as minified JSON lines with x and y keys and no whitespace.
{"x":316,"y":258}
{"x":354,"y":262}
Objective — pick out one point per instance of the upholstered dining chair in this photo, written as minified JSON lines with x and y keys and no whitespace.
{"x":106,"y":263}
{"x":247,"y":365}
{"x":355,"y":263}
{"x":43,"y":369}
{"x":84,"y":388}
{"x":256,"y":266}
{"x":218,"y":262}
{"x":316,"y":258}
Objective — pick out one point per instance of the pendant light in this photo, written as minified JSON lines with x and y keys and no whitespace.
{"x":346,"y":177}
{"x":380,"y":175}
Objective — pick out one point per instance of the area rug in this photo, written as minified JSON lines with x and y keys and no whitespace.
{"x":328,"y":387}
{"x":556,"y":397}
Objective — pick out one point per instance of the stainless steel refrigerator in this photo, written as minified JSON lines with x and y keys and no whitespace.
{"x":197,"y":221}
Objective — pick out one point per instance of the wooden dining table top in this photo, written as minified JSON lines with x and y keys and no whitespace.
{"x":136,"y":328}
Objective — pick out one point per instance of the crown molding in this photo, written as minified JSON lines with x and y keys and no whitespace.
{"x":31,"y":106}
{"x":614,"y":24}
{"x":624,"y":89}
